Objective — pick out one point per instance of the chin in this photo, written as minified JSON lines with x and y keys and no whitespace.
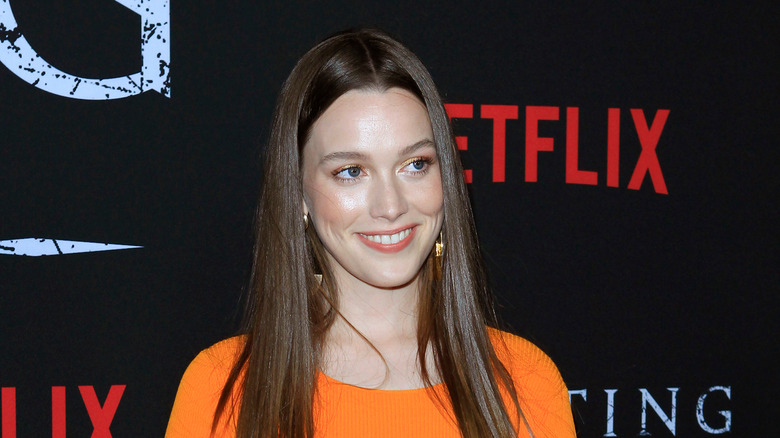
{"x":392,"y":280}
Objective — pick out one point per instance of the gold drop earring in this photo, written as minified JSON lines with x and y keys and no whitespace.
{"x":439,"y":246}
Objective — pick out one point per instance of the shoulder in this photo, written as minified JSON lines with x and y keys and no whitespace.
{"x":541,"y":390}
{"x":200,"y":389}
{"x":531,"y":369}
{"x":211,"y":367}
{"x":217,"y":358}
{"x":519,"y":354}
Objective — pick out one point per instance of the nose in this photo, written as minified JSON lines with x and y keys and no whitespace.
{"x":387,"y":199}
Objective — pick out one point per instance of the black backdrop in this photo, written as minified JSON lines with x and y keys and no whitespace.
{"x":650,"y":303}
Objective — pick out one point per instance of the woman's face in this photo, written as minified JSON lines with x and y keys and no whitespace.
{"x":372,"y":186}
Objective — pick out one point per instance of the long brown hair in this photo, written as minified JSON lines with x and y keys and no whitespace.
{"x":275,"y":373}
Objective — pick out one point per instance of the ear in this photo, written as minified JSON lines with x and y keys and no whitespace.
{"x":304,"y":207}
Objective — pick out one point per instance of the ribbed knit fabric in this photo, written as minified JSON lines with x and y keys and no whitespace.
{"x":343,"y":410}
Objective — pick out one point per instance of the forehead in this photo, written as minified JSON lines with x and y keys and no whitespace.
{"x":370,"y":120}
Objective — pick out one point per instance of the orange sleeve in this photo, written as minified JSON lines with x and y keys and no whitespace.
{"x":199,"y":391}
{"x":541,"y":391}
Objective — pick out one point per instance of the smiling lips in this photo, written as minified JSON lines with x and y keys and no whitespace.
{"x":394,"y":242}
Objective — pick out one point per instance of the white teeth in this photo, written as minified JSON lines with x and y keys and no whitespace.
{"x":387,"y":239}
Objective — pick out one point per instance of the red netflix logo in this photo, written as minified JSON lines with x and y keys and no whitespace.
{"x":649,"y":134}
{"x":101,"y":416}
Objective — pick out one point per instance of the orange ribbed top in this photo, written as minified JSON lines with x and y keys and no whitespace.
{"x":343,"y":410}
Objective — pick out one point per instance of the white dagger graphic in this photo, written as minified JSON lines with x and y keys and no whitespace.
{"x":36,"y":247}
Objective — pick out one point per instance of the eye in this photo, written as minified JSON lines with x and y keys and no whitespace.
{"x":349,"y":172}
{"x":418,"y":165}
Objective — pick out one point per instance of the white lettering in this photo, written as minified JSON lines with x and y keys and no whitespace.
{"x":581,"y":392}
{"x":22,"y":60}
{"x":669,"y":420}
{"x":610,"y":413}
{"x":726,"y":414}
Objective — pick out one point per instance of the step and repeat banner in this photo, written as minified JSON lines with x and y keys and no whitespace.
{"x":621,"y":160}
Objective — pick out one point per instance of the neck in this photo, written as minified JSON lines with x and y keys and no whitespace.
{"x":378,"y":313}
{"x":373,"y":343}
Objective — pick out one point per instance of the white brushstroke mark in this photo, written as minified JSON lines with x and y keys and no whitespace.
{"x":35,"y":247}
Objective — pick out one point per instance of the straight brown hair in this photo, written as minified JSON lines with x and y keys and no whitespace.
{"x":271,"y":389}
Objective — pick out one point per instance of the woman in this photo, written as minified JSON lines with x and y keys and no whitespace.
{"x":369,"y":310}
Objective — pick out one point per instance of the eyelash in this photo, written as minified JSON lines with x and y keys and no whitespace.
{"x":427,"y":161}
{"x":345,"y":169}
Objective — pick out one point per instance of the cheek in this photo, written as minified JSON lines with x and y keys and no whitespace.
{"x":429,"y":198}
{"x":331,"y":208}
{"x":349,"y":202}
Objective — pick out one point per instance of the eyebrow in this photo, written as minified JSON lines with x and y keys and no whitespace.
{"x":339,"y":156}
{"x":414,"y":147}
{"x":350,"y":155}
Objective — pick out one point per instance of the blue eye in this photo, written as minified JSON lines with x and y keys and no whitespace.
{"x":419,"y":164}
{"x":351,"y":172}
